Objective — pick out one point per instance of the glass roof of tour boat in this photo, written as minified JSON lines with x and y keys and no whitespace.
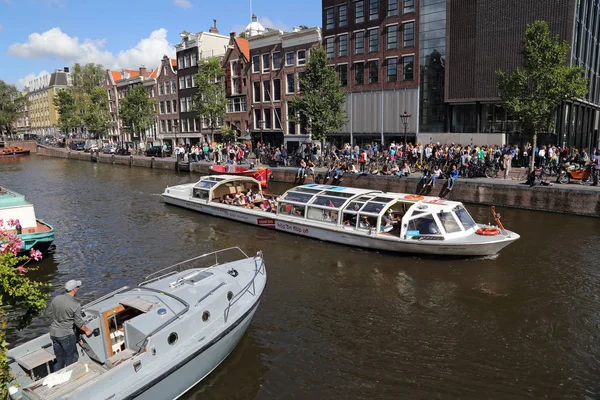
{"x":326,"y":195}
{"x":208,"y":182}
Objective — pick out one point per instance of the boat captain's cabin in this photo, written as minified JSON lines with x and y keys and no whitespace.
{"x":373,"y":211}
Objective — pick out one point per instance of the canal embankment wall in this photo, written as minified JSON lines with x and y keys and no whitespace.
{"x":568,"y":199}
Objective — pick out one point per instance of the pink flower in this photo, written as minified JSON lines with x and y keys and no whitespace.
{"x":3,"y":247}
{"x":13,"y":222}
{"x":22,"y":269}
{"x":35,"y":254}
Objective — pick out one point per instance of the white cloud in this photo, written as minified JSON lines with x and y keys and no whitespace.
{"x":24,"y":81}
{"x":183,"y":3}
{"x":55,"y":44}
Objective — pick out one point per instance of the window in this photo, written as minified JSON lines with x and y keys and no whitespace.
{"x":160,"y":90}
{"x":175,"y":124}
{"x":267,"y":118}
{"x":408,"y":29}
{"x":255,"y":64}
{"x":359,"y":42}
{"x":373,"y":71}
{"x":392,"y":37}
{"x":188,"y":81}
{"x":180,"y":62}
{"x":183,"y":107}
{"x":169,"y":122}
{"x":256,"y":89}
{"x":291,"y":84}
{"x":329,"y":47}
{"x":194,"y":60}
{"x":343,"y":15}
{"x":163,"y":125}
{"x":409,"y":6}
{"x":343,"y":74}
{"x":373,"y":40}
{"x":329,"y":18}
{"x":162,"y":107}
{"x":392,"y":8}
{"x":408,"y":68}
{"x":449,"y":222}
{"x":168,"y":104}
{"x":174,"y":106}
{"x":194,"y":81}
{"x":359,"y":11}
{"x":266,"y":62}
{"x":173,"y":87}
{"x":343,"y":45}
{"x":276,"y":60}
{"x":277,"y":120}
{"x":236,"y":105}
{"x":359,"y":73}
{"x":257,"y":120}
{"x":373,"y":9}
{"x":276,"y":90}
{"x":235,"y":85}
{"x":187,"y":60}
{"x":166,"y":87}
{"x":392,"y":69}
{"x":289,"y":58}
{"x":266,"y":90}
{"x":301,"y":57}
{"x":291,"y":125}
{"x":181,"y":82}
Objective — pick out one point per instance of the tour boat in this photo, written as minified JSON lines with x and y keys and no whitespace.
{"x":13,"y":151}
{"x":152,"y":341}
{"x":35,"y":233}
{"x":357,"y":217}
{"x":261,"y":174}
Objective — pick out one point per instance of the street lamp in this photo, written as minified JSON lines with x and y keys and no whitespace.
{"x":404,"y":118}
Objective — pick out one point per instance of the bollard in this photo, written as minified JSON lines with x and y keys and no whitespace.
{"x":112,"y":158}
{"x":130,"y":160}
{"x":152,"y":163}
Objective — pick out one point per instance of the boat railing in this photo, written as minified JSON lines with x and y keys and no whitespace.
{"x":106,"y":296}
{"x":196,"y":262}
{"x":259,"y":269}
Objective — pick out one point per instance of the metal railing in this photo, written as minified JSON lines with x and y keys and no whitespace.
{"x":259,"y":269}
{"x":175,"y":268}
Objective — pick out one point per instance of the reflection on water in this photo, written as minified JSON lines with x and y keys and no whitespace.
{"x":337,"y":322}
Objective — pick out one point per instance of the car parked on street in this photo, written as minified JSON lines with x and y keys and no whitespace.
{"x":154,"y":151}
{"x":109,"y":149}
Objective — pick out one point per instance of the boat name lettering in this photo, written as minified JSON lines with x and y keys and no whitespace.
{"x":236,"y":215}
{"x":266,"y":221}
{"x":292,"y":228}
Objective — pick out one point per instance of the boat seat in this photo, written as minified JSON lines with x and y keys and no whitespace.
{"x":118,"y":358}
{"x":30,"y":361}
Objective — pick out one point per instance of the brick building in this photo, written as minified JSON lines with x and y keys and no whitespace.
{"x":374,"y":47}
{"x":277,"y":60}
{"x":193,"y":48}
{"x":237,"y":66}
{"x":168,"y":103}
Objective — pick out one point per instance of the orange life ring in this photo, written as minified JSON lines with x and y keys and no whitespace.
{"x":414,"y":197}
{"x":488,"y":231}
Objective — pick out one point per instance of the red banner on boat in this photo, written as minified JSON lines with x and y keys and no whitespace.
{"x":266,"y":221}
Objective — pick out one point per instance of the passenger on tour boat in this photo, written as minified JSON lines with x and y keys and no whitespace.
{"x":364,"y":222}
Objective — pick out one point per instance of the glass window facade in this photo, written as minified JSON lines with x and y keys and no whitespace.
{"x":329,"y":18}
{"x":392,"y":69}
{"x":329,"y":47}
{"x":392,"y":8}
{"x":408,"y":68}
{"x":432,"y":60}
{"x":392,"y":37}
{"x":359,"y":42}
{"x":343,"y":45}
{"x":359,"y":11}
{"x":343,"y":15}
{"x":408,"y":34}
{"x":373,"y":9}
{"x":373,"y":40}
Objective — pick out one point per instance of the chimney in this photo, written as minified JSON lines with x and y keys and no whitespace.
{"x":232,"y":35}
{"x":143,"y":70}
{"x":214,"y":27}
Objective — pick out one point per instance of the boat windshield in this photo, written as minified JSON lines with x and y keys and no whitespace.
{"x":448,"y":221}
{"x":297,"y":196}
{"x":204,"y":184}
{"x":373,"y":207}
{"x":354,"y":206}
{"x":464,"y":217}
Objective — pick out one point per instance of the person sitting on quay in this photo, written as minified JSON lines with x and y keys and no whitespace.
{"x":301,"y":174}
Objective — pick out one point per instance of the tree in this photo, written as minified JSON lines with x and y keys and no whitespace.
{"x":84,"y":79}
{"x":97,"y":116}
{"x":210,"y":101}
{"x":12,"y":103}
{"x":137,"y":111}
{"x":68,"y":117}
{"x":321,"y":98}
{"x":20,"y":297}
{"x":533,"y":92}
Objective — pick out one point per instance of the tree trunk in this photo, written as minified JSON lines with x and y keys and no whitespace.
{"x":533,"y":146}
{"x":212,"y":135}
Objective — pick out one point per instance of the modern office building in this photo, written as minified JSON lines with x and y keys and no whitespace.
{"x":486,"y":35}
{"x":193,"y":48}
{"x":374,"y":47}
{"x":43,"y":115}
{"x":277,"y":61}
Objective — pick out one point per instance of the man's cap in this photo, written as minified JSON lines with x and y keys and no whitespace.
{"x":72,"y":284}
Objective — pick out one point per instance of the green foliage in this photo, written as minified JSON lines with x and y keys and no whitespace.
{"x":532,"y":92}
{"x":97,"y":116}
{"x":228,"y":134}
{"x":137,"y":111}
{"x":11,"y":106}
{"x":321,"y":98}
{"x":242,"y":35}
{"x":84,"y":80}
{"x":210,"y":101}
{"x":68,"y":117}
{"x":20,"y":299}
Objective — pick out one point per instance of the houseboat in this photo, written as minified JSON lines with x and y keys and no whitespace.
{"x":152,"y":341}
{"x":35,"y":233}
{"x":357,"y":217}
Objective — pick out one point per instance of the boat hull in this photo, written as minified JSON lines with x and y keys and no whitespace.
{"x":41,"y":241}
{"x":347,"y":235}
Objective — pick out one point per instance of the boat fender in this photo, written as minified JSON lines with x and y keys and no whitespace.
{"x":488,"y":231}
{"x":233,"y":272}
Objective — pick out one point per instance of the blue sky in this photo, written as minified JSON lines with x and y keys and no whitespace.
{"x":37,"y":36}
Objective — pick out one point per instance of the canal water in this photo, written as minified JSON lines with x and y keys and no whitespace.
{"x":338,"y":322}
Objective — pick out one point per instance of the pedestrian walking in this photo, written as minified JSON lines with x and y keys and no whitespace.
{"x":65,"y":313}
{"x":596,"y":171}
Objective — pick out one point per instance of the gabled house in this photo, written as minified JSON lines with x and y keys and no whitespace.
{"x":168,"y":114}
{"x":236,"y":63}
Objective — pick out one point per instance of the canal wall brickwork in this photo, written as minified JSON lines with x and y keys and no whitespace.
{"x":569,"y":199}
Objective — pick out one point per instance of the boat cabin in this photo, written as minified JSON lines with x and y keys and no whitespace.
{"x":217,"y":187}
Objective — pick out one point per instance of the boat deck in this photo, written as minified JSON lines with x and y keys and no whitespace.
{"x":39,"y":228}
